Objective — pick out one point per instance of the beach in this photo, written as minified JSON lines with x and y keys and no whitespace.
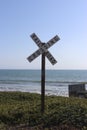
{"x":57,"y":81}
{"x":20,"y":100}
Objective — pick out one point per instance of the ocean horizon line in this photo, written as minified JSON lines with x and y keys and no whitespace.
{"x":45,"y":69}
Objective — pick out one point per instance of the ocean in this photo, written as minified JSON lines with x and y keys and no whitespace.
{"x":57,"y":81}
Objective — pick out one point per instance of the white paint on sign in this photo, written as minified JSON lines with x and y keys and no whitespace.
{"x":43,"y":48}
{"x":35,"y":55}
{"x":52,"y":41}
{"x":36,"y":39}
{"x":51,"y":58}
{"x":46,"y":46}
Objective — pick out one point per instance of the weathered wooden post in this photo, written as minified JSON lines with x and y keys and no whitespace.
{"x":43,"y":84}
{"x":43,"y":50}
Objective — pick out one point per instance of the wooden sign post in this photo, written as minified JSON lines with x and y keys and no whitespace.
{"x":43,"y":83}
{"x":43,"y":49}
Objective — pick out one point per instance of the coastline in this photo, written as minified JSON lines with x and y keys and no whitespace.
{"x":57,"y":81}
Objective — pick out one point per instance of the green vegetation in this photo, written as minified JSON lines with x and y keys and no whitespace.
{"x":17,"y":108}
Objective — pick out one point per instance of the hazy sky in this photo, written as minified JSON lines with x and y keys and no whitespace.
{"x":47,"y":18}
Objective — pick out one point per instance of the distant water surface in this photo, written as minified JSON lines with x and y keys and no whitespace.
{"x":57,"y":81}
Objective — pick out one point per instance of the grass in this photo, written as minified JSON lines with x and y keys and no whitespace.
{"x":18,"y":108}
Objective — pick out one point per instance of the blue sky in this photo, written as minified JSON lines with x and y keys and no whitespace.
{"x":47,"y":18}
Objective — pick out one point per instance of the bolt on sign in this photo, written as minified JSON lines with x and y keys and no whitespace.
{"x":43,"y":50}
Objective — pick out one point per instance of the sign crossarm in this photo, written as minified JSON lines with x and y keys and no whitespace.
{"x":43,"y":48}
{"x":50,"y":58}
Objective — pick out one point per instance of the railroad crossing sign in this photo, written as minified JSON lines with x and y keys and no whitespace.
{"x":43,"y":49}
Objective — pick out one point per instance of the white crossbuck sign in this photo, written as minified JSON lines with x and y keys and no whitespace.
{"x":43,"y":48}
